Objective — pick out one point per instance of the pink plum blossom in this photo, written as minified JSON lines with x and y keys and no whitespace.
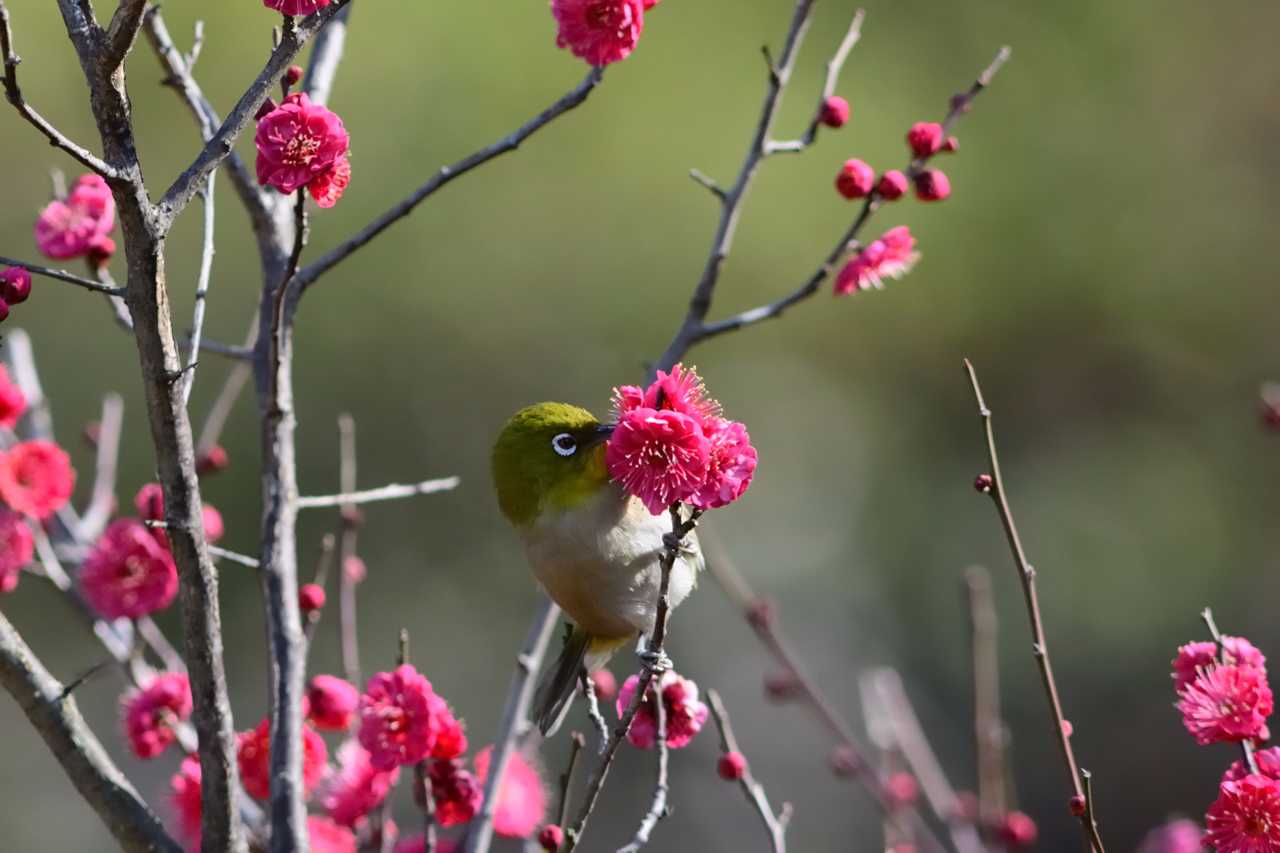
{"x":17,"y":547}
{"x":1226,"y":703}
{"x":731,"y":467}
{"x":356,"y":787}
{"x":72,"y":227}
{"x":401,"y":718}
{"x":36,"y":478}
{"x":660,"y":457}
{"x":254,"y":757}
{"x":300,"y":142}
{"x":1246,"y":817}
{"x":128,"y":574}
{"x":891,"y":256}
{"x":332,"y":703}
{"x":151,"y":713}
{"x":686,"y":714}
{"x":522,"y":796}
{"x":599,"y":31}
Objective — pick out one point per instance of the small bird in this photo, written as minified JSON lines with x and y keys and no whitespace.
{"x":594,"y":548}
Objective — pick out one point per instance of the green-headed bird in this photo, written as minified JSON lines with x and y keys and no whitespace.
{"x":594,"y":548}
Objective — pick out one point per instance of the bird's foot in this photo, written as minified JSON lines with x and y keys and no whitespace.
{"x":658,"y":662}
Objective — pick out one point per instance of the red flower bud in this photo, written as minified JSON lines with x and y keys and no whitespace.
{"x":844,"y":761}
{"x":268,"y":106}
{"x":893,"y":185}
{"x":984,"y":483}
{"x":606,"y":685}
{"x":731,"y":766}
{"x":1077,"y":806}
{"x":924,"y":138}
{"x":213,"y":460}
{"x":835,"y":111}
{"x":311,"y":597}
{"x":932,"y":185}
{"x":551,"y":837}
{"x":15,"y":285}
{"x":4,"y":310}
{"x":855,"y":180}
{"x":951,"y":145}
{"x":292,"y":75}
{"x":901,"y":790}
{"x":781,"y":685}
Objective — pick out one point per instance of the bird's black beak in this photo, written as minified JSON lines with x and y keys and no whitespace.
{"x":600,"y":434}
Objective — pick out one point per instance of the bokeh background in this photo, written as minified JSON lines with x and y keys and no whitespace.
{"x":1105,"y":261}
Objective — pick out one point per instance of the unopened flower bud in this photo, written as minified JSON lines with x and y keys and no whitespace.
{"x":781,"y":685}
{"x":951,"y":145}
{"x":932,"y":185}
{"x":92,"y":433}
{"x":212,"y":460}
{"x":1017,"y":829}
{"x":984,"y":483}
{"x":15,"y":285}
{"x":835,"y":111}
{"x":354,"y":569}
{"x":924,"y":138}
{"x":844,"y":761}
{"x":292,"y":75}
{"x":901,"y":790}
{"x":855,"y":180}
{"x":311,"y":597}
{"x":100,"y":252}
{"x":1077,"y":806}
{"x":893,"y":185}
{"x":760,"y":613}
{"x":4,"y":310}
{"x":550,"y":838}
{"x":731,"y":766}
{"x":1067,"y":728}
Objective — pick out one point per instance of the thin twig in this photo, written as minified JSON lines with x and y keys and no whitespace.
{"x":237,"y":377}
{"x":328,"y":545}
{"x":1090,"y":816}
{"x":988,"y":726}
{"x":655,"y":654}
{"x":325,"y":58}
{"x":594,"y":714}
{"x":834,"y":66}
{"x":1027,"y":576}
{"x":63,"y":275}
{"x":13,"y":92}
{"x":202,"y":289}
{"x":102,"y":500}
{"x":576,"y":96}
{"x":661,"y":785}
{"x":88,"y":766}
{"x":775,"y":825}
{"x":390,"y":492}
{"x":350,"y":636}
{"x":732,"y":200}
{"x":515,"y":720}
{"x":694,"y":333}
{"x":576,"y":744}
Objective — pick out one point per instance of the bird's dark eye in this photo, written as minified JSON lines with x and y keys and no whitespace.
{"x":564,"y":444}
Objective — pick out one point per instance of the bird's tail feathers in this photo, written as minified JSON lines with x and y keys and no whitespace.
{"x":582,"y":653}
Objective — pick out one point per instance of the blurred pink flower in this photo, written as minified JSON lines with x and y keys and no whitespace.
{"x":327,"y":837}
{"x":356,"y":787}
{"x":901,"y":790}
{"x":400,"y":717}
{"x":1176,"y":836}
{"x":152,"y":713}
{"x":295,"y":7}
{"x":731,"y":465}
{"x":892,"y":256}
{"x":660,"y":457}
{"x":332,"y":703}
{"x":298,"y":142}
{"x":149,"y":501}
{"x":254,"y":757}
{"x":17,"y":547}
{"x":128,"y":573}
{"x":73,"y":227}
{"x":1246,"y":817}
{"x":1226,"y":703}
{"x":599,"y":31}
{"x":36,"y":478}
{"x":686,"y":714}
{"x":457,"y":793}
{"x":184,"y":798}
{"x":522,"y":796}
{"x":1017,"y":830}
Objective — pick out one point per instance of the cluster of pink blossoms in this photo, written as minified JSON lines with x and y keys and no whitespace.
{"x":672,"y":445}
{"x":1224,"y":697}
{"x":301,"y":144}
{"x":79,"y":225}
{"x":685,"y":712}
{"x":296,"y":7}
{"x":600,"y":31}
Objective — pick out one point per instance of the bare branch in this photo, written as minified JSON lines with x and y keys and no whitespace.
{"x":696,"y":329}
{"x":988,"y":726}
{"x":775,"y":825}
{"x":181,"y":79}
{"x":731,"y":211}
{"x":102,"y":501}
{"x":834,"y":67}
{"x":55,"y":716}
{"x":216,"y":420}
{"x":63,"y":275}
{"x":593,"y":713}
{"x":202,"y":290}
{"x":661,"y":785}
{"x":22,"y":360}
{"x":1027,"y":576}
{"x":308,"y":275}
{"x":232,"y":351}
{"x":326,"y":55}
{"x":710,"y":184}
{"x":13,"y":92}
{"x":122,"y":31}
{"x":350,"y":640}
{"x":515,"y":720}
{"x":222,"y":141}
{"x":395,"y":491}
{"x":576,"y":744}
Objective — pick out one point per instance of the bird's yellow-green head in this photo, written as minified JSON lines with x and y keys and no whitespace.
{"x":549,"y":456}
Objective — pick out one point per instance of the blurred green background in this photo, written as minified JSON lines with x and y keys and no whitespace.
{"x":1103,"y":260}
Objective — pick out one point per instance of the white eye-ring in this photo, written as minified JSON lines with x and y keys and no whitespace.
{"x":564,"y":444}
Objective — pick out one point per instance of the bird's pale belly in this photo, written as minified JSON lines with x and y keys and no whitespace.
{"x":601,"y":562}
